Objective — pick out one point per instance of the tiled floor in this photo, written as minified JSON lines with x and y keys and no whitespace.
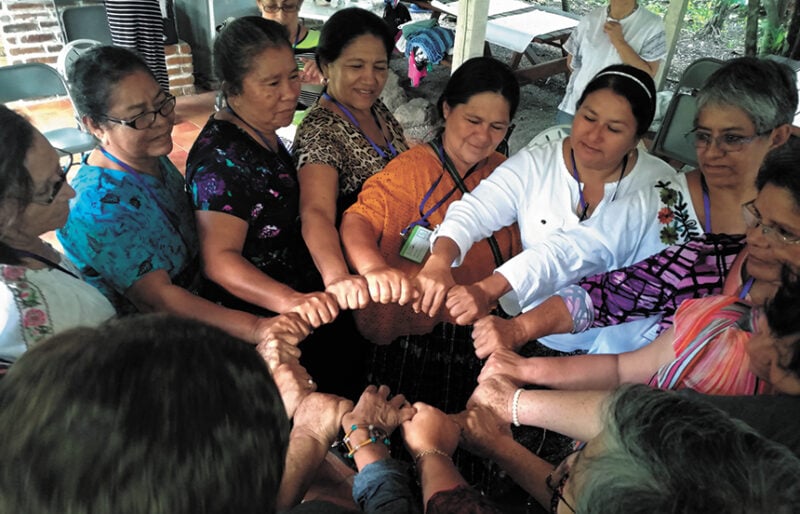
{"x":192,"y":112}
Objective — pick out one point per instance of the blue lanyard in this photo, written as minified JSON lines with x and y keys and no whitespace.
{"x":707,"y":207}
{"x":746,"y":288}
{"x":584,"y":205}
{"x":139,"y":180}
{"x":355,"y":123}
{"x":258,"y":132}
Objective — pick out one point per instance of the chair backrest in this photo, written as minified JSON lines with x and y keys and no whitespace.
{"x":86,"y":22}
{"x":70,"y":53}
{"x":696,"y":74}
{"x":29,"y":81}
{"x":550,"y":134}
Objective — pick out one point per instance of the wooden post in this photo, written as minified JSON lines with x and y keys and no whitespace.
{"x":673,"y":21}
{"x":470,"y":30}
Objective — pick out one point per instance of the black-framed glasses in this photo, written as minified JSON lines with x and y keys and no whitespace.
{"x":272,"y":8}
{"x":557,"y":480}
{"x":146,"y":120}
{"x":702,"y":139}
{"x":65,"y":163}
{"x":752,"y":218}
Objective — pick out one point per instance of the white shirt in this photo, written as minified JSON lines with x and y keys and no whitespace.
{"x":535,"y":189}
{"x":591,"y":49}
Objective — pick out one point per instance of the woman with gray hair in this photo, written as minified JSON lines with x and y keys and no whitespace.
{"x":657,"y":452}
{"x":744,"y":111}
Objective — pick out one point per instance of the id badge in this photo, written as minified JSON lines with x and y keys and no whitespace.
{"x":416,"y":244}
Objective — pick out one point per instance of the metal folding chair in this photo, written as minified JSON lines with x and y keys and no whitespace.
{"x":671,"y":141}
{"x":85,"y":22}
{"x":30,"y":81}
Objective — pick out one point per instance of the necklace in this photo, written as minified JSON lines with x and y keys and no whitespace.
{"x":583,"y":205}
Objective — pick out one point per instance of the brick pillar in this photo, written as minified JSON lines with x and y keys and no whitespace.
{"x":180,"y":69}
{"x":29,"y":31}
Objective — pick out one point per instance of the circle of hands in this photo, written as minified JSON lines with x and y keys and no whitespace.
{"x":320,"y":416}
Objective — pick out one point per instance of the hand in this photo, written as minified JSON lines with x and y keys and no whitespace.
{"x":374,"y":408}
{"x":276,"y":352}
{"x":430,"y":428}
{"x":613,"y":30}
{"x":433,"y":282}
{"x":315,"y":308}
{"x":496,"y":393}
{"x":350,"y":291}
{"x":390,"y":285}
{"x":468,"y":303}
{"x":294,"y":384}
{"x":310,"y":73}
{"x":492,"y":333}
{"x":505,"y":362}
{"x":319,"y":416}
{"x":289,"y":328}
{"x":482,"y":429}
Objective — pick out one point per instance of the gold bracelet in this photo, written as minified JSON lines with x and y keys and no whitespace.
{"x":430,"y":451}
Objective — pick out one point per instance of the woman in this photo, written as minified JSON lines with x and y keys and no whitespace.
{"x":304,"y":43}
{"x":434,"y":364}
{"x":622,"y":32}
{"x":655,"y":452}
{"x":713,"y":340}
{"x":656,"y":286}
{"x":345,"y":138}
{"x":131,"y":231}
{"x":743,"y":108}
{"x":42,"y":291}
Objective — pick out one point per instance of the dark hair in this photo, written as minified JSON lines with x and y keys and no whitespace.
{"x":781,"y":312}
{"x":480,"y":75}
{"x":764,"y":89}
{"x":239,"y":43}
{"x":631,"y":83}
{"x":780,"y":168}
{"x":148,"y":414}
{"x":666,"y":452}
{"x":346,"y":25}
{"x":96,"y":73}
{"x":16,"y":183}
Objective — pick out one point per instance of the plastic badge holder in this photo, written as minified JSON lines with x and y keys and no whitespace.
{"x":416,"y":244}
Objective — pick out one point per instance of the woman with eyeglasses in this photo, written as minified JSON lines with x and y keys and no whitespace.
{"x":717,"y":344}
{"x":42,"y":292}
{"x":744,"y":111}
{"x":304,"y":43}
{"x":650,"y":451}
{"x":132,"y":231}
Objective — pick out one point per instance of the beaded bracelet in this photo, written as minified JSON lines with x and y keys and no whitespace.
{"x":430,"y":451}
{"x":375,"y":434}
{"x":515,"y":407}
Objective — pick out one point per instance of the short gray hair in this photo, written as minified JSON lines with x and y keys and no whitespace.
{"x":669,"y":453}
{"x":764,"y":89}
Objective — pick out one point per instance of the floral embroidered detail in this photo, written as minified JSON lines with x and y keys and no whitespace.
{"x":33,"y":309}
{"x":679,"y":226}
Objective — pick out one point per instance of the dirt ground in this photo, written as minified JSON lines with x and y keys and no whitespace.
{"x":539,"y":100}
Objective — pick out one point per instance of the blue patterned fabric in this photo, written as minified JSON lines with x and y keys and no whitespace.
{"x":122,"y":227}
{"x":435,"y":42}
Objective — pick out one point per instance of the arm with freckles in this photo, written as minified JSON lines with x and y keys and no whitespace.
{"x":222,"y":238}
{"x":583,"y":372}
{"x":319,"y":187}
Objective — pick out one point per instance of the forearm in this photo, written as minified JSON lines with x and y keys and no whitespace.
{"x":630,"y":57}
{"x":360,"y":244}
{"x":494,"y":286}
{"x":242,"y":279}
{"x":577,"y":372}
{"x":180,"y":302}
{"x":443,"y":253}
{"x":549,"y":317}
{"x":437,"y":473}
{"x":529,"y":471}
{"x":576,"y":414}
{"x":304,"y":455}
{"x":322,"y":240}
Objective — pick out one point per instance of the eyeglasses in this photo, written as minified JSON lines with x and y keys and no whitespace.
{"x":557,"y":486}
{"x":702,"y":139}
{"x":272,"y":8}
{"x":65,"y":163}
{"x":752,"y":219}
{"x":146,"y":119}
